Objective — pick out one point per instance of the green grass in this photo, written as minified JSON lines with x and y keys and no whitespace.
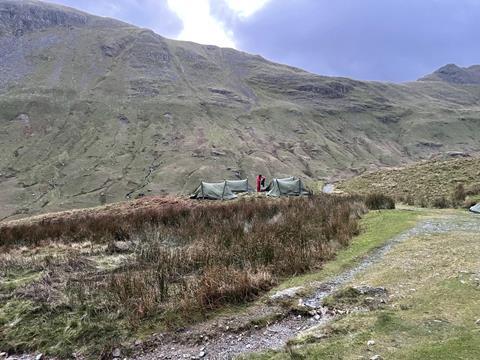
{"x":17,"y":279}
{"x":376,"y":228}
{"x":26,"y":325}
{"x":431,"y":312}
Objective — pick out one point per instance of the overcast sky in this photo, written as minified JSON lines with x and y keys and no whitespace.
{"x":390,"y":40}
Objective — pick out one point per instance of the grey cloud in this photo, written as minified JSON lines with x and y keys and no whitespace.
{"x":395,"y":40}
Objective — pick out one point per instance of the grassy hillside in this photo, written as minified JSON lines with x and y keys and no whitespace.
{"x":422,"y":182}
{"x":94,"y":110}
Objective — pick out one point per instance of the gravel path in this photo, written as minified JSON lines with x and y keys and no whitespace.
{"x":229,"y":345}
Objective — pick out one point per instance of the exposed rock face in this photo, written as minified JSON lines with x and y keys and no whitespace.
{"x":21,"y":16}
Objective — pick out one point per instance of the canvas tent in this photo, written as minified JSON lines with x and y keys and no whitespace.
{"x":224,"y":190}
{"x":239,"y":186}
{"x":475,"y":209}
{"x":272,"y":183}
{"x":213,"y":191}
{"x":286,"y":187}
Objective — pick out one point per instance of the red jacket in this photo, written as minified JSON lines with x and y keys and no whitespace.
{"x":260,"y":182}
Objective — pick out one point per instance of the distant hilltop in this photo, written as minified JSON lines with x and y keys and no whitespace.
{"x":454,"y":74}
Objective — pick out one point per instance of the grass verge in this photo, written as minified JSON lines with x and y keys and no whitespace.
{"x":432,"y":310}
{"x":376,"y":228}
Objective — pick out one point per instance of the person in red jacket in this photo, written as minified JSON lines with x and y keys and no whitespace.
{"x":260,"y":182}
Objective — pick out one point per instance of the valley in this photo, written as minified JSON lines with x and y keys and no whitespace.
{"x":94,"y":110}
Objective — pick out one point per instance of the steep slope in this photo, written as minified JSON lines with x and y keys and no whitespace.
{"x":93,"y":110}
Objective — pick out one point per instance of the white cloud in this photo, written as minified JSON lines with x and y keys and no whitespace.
{"x":200,"y":26}
{"x":246,"y":8}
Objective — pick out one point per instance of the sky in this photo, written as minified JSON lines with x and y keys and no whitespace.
{"x":386,"y":40}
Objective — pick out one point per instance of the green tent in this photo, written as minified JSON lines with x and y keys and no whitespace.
{"x":286,"y":187}
{"x":272,"y":183}
{"x":239,"y":186}
{"x":475,"y":209}
{"x":213,"y":191}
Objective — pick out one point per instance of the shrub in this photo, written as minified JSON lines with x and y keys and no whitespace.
{"x":459,"y":194}
{"x":468,"y":203}
{"x":378,"y":201}
{"x":410,"y":200}
{"x":422,"y":202}
{"x":440,"y":203}
{"x":473,"y":189}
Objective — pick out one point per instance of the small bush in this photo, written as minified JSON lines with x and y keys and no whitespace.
{"x":410,"y":200}
{"x":379,"y":202}
{"x":473,"y":189}
{"x":468,"y":203}
{"x":459,"y":194}
{"x":440,"y":203}
{"x":422,"y":202}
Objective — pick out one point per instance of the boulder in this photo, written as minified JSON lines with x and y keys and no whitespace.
{"x":120,"y":247}
{"x":116,"y":353}
{"x":287,"y":293}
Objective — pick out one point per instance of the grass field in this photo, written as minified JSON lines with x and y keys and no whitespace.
{"x":432,"y":283}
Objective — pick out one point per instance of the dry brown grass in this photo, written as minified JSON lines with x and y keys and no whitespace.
{"x":186,"y":260}
{"x":102,"y":224}
{"x":432,"y":183}
{"x":207,"y":256}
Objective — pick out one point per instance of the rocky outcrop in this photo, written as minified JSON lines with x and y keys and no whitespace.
{"x":18,"y":17}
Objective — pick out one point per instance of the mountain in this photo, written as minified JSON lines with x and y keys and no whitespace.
{"x":95,"y":110}
{"x":454,"y":74}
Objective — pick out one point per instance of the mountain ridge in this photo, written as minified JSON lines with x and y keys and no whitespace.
{"x":95,"y":111}
{"x":20,"y":16}
{"x":455,"y":74}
